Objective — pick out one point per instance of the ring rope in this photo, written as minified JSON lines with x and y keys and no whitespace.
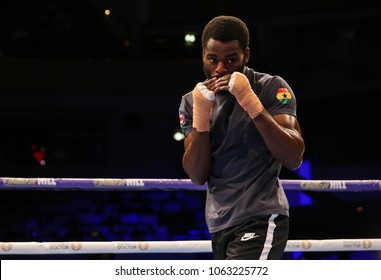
{"x":12,"y":183}
{"x":193,"y":246}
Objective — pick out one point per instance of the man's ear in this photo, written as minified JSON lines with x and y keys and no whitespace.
{"x":247,"y":55}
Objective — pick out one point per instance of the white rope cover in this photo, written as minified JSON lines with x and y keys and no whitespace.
{"x":193,"y":246}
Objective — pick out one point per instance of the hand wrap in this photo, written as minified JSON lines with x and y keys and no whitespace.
{"x":240,"y":87}
{"x":203,"y":100}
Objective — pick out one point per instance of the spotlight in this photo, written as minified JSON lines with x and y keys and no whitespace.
{"x":189,"y":39}
{"x":178,"y":135}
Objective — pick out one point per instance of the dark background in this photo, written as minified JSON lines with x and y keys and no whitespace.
{"x":97,"y":96}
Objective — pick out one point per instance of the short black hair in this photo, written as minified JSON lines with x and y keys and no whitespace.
{"x":225,"y":29}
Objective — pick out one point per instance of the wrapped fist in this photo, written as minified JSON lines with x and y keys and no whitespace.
{"x":240,"y":87}
{"x":203,"y":100}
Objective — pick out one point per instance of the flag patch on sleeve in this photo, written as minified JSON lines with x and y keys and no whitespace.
{"x":284,"y":96}
{"x":182,"y":119}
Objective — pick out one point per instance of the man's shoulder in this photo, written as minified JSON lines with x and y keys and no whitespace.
{"x":187,"y":97}
{"x":260,"y":77}
{"x":186,"y":101}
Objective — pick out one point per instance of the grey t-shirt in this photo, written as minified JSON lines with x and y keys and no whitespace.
{"x":244,"y":180}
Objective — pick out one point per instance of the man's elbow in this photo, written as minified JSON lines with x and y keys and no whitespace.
{"x":198,"y":181}
{"x":295,"y":163}
{"x":197,"y":176}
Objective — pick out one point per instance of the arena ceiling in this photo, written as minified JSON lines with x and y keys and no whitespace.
{"x":44,"y":28}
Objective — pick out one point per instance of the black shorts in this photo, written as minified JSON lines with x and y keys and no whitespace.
{"x":261,"y":238}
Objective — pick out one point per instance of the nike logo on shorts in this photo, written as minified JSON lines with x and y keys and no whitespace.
{"x":248,"y":236}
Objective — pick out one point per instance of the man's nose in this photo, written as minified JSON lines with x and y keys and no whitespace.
{"x":221,"y":69}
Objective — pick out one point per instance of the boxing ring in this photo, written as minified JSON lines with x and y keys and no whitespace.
{"x":187,"y":246}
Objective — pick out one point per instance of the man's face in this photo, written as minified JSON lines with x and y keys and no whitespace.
{"x":222,"y":58}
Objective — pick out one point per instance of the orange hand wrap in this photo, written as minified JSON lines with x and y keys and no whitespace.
{"x":203,"y":100}
{"x":240,"y":87}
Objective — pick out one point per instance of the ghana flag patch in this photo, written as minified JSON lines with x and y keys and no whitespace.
{"x":283,"y":95}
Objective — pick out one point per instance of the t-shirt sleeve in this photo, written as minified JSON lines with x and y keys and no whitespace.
{"x":186,"y":113}
{"x":279,"y":97}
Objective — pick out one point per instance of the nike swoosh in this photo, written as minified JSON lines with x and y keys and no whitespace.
{"x":245,"y":238}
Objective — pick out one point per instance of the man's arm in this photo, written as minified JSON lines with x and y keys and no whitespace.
{"x":281,"y":133}
{"x":283,"y":137}
{"x":197,"y":156}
